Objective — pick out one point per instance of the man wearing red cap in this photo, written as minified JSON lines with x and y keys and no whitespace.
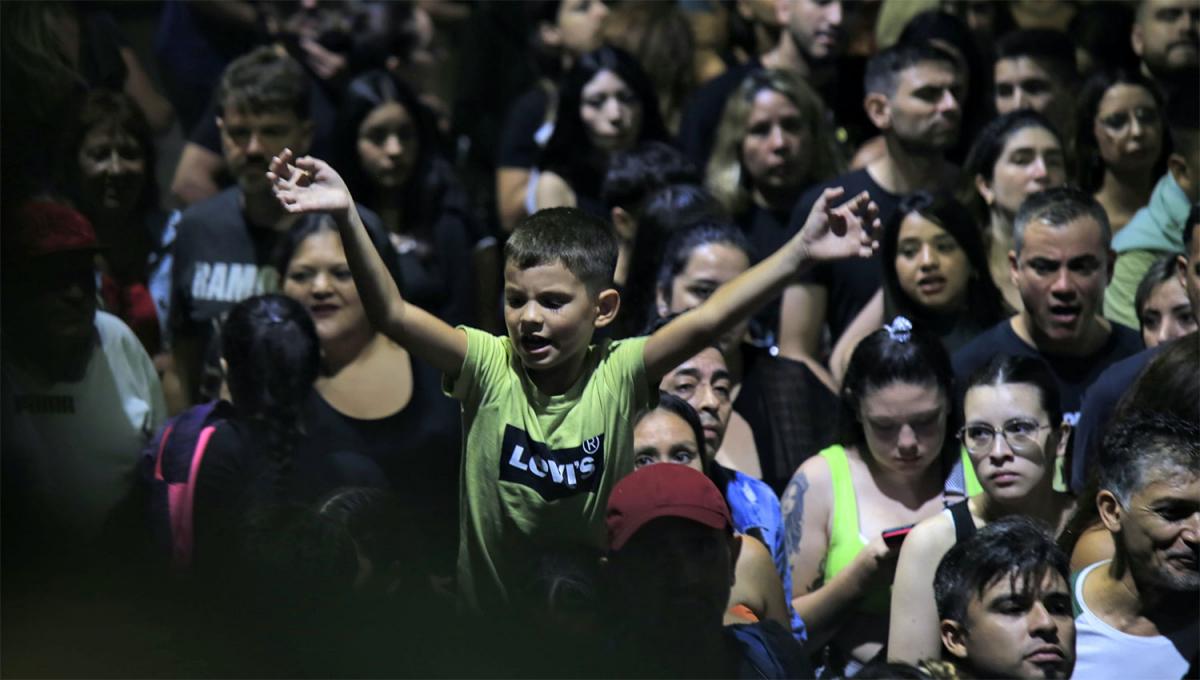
{"x":667,"y":579}
{"x":80,"y":397}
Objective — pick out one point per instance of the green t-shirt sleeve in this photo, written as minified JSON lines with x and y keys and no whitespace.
{"x":486,"y":362}
{"x":1128,"y":271}
{"x":624,"y":373}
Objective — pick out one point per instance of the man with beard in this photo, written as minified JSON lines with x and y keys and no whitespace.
{"x":225,"y":245}
{"x":913,"y":95}
{"x":706,"y":384}
{"x":1166,"y":35}
{"x":1035,"y":69}
{"x":811,"y":40}
{"x":1138,"y":614}
{"x":80,"y":397}
{"x":1060,"y":263}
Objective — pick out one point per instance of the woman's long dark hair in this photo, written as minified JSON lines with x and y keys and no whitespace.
{"x":1090,"y":167}
{"x":672,"y":404}
{"x":270,"y":346}
{"x":432,"y":186}
{"x":667,"y":211}
{"x":984,"y":304}
{"x":570,"y":152}
{"x":986,"y":150}
{"x":880,"y":360}
{"x":308,"y":225}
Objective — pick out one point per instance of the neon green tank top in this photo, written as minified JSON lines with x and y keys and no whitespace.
{"x":845,"y":538}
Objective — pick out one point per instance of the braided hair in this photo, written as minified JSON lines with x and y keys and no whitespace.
{"x":270,"y":345}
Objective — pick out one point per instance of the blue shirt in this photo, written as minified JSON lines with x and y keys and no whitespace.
{"x":754,"y":505}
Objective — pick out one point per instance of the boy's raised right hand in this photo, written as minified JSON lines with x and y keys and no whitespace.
{"x":308,"y":185}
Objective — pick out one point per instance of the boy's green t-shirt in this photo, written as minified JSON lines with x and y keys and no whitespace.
{"x":537,"y":470}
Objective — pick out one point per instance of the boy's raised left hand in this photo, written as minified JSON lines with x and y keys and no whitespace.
{"x":847,"y":230}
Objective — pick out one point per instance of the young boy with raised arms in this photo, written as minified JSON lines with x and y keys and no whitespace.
{"x":546,"y":414}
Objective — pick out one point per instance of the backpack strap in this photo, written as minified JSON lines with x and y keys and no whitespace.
{"x":182,"y":519}
{"x":162,"y":445}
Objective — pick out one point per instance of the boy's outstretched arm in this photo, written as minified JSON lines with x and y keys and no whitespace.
{"x":306,"y":185}
{"x":829,"y":233}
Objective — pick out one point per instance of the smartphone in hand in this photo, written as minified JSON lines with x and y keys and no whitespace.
{"x":895,"y":536}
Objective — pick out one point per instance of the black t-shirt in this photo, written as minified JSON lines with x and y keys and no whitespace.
{"x":766,"y":230}
{"x":789,"y":410}
{"x":849,"y":283}
{"x":418,"y":450}
{"x":417,"y":447}
{"x":518,"y":146}
{"x":702,"y":114}
{"x":1097,"y":408}
{"x":221,"y":260}
{"x":237,"y":475}
{"x":1074,"y":374}
{"x":440,"y":276}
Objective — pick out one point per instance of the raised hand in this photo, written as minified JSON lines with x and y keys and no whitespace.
{"x":848,"y":230}
{"x":308,"y":185}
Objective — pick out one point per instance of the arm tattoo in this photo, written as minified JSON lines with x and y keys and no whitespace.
{"x":793,"y":512}
{"x":820,"y":579}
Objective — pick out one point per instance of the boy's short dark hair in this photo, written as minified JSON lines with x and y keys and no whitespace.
{"x":264,"y":81}
{"x":584,"y":244}
{"x":1052,"y":49}
{"x":1016,"y":547}
{"x":883,"y":69}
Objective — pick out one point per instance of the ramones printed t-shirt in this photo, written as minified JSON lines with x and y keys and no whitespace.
{"x":537,"y":470}
{"x":220,"y":260}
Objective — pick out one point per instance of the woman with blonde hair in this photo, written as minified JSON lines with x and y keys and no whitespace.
{"x":774,"y":141}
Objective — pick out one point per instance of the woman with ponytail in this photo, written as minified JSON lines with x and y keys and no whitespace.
{"x":271,"y":357}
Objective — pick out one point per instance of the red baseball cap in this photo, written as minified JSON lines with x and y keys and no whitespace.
{"x":45,"y":228}
{"x":663,"y":490}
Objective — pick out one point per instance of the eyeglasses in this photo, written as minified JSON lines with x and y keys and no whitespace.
{"x":1018,"y":432}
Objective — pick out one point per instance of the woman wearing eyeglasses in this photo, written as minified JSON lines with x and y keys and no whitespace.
{"x":1013,"y":434}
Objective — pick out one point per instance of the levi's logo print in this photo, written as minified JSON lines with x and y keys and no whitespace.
{"x":554,"y":474}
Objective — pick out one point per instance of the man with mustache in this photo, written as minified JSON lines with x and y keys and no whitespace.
{"x":705,"y":382}
{"x":1005,"y":605}
{"x":1060,"y":264}
{"x":1035,"y":69}
{"x":1138,"y":614}
{"x":1166,"y":37}
{"x":225,"y":244}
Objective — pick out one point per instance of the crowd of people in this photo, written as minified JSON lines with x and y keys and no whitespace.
{"x":754,"y":338}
